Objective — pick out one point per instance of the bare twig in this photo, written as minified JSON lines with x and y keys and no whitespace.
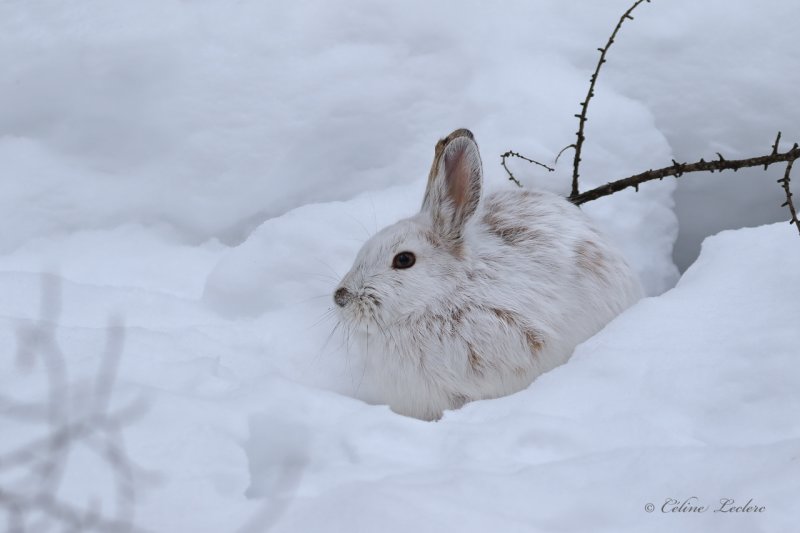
{"x":576,"y":161}
{"x":679,"y":169}
{"x":567,"y":147}
{"x":511,"y":153}
{"x":784,"y":181}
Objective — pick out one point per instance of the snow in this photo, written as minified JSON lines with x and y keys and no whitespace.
{"x":641,"y":413}
{"x":664,"y":402}
{"x":206,"y":172}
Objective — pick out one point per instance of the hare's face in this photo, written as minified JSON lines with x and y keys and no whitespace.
{"x":413,"y":266}
{"x":398,"y":272}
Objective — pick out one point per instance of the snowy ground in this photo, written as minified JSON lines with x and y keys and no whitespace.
{"x":206,"y":172}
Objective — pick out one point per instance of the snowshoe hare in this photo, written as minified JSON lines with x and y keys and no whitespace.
{"x":474,"y":298}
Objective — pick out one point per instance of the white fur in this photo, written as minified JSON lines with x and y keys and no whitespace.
{"x":499,"y":293}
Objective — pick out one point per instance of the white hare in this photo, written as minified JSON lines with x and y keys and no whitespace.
{"x":472,"y":299}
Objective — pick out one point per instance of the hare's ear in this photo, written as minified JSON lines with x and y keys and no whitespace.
{"x":454,"y":185}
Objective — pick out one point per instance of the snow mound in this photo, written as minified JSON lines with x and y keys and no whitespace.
{"x":693,"y":393}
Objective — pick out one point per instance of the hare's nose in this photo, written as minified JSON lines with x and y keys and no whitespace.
{"x":342,"y":296}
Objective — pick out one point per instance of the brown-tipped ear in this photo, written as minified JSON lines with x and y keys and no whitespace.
{"x":454,"y":185}
{"x":437,"y":157}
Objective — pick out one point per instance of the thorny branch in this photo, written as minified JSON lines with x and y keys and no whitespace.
{"x":679,"y":169}
{"x":576,"y":161}
{"x":676,"y":169}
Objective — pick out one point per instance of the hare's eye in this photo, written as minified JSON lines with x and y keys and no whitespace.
{"x":404,"y":260}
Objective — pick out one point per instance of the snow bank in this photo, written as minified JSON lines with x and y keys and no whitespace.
{"x":694,"y":393}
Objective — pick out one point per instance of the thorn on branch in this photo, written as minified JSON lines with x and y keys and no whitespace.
{"x":774,"y":147}
{"x":678,"y":168}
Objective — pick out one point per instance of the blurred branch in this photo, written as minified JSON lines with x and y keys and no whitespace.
{"x":73,"y":415}
{"x":55,"y":512}
{"x":576,"y":161}
{"x":511,"y":153}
